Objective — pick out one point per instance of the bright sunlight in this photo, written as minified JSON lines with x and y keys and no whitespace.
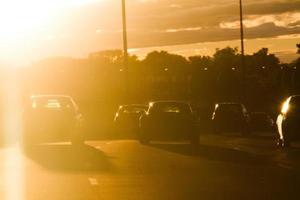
{"x":19,"y":18}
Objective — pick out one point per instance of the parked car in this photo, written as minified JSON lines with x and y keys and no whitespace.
{"x":261,"y":121}
{"x":168,"y":120}
{"x":127,"y":117}
{"x":230,"y":117}
{"x":288,"y":121}
{"x":52,"y":118}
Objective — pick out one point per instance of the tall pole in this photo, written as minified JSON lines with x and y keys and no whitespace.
{"x":243,"y":91}
{"x":242,"y":28}
{"x":125,"y":48}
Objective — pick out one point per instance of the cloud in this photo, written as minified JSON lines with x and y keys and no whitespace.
{"x":96,"y":25}
{"x":182,"y":29}
{"x":285,"y":20}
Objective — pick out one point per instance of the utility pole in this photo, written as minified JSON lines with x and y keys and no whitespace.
{"x":243,"y":91}
{"x":125,"y":48}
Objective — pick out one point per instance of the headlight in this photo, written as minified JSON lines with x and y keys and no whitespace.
{"x":285,"y":107}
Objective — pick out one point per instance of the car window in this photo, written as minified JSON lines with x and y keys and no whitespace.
{"x":133,"y":109}
{"x":53,"y":104}
{"x":171,"y":108}
{"x":229,"y":108}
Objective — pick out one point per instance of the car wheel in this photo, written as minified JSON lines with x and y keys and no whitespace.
{"x":144,"y":141}
{"x":77,"y":140}
{"x":143,"y":138}
{"x":245,"y":130}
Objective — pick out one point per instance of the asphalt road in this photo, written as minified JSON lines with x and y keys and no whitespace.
{"x":222,"y":167}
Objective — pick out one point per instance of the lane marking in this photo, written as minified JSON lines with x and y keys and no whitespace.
{"x":93,"y":181}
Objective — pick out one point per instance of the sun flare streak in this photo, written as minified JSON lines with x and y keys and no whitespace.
{"x":13,"y":173}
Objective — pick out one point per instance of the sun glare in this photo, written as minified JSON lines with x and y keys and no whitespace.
{"x":20,"y":18}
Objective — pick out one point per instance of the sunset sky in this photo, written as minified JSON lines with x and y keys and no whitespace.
{"x":35,"y":29}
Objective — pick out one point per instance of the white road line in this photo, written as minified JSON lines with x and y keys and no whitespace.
{"x":93,"y":181}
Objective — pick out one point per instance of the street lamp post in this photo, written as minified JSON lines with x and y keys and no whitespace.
{"x":243,"y":91}
{"x":125,"y":48}
{"x":242,"y":28}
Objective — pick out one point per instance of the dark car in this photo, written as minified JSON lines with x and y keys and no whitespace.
{"x":52,"y":118}
{"x":261,"y":121}
{"x":168,"y":120}
{"x":230,"y":117}
{"x":288,"y":121}
{"x":127,"y":117}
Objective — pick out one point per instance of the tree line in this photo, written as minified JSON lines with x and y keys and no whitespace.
{"x":260,"y":81}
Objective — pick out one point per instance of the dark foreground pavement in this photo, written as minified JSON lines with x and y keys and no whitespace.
{"x":222,"y":167}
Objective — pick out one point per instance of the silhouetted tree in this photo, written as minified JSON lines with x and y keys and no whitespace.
{"x":163,"y":75}
{"x":202,"y":75}
{"x":226,"y":59}
{"x":226,"y":62}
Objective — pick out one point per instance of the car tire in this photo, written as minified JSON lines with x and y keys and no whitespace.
{"x":144,"y":141}
{"x":77,"y":140}
{"x":245,"y":130}
{"x":143,"y":138}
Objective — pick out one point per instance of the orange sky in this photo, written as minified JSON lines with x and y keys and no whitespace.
{"x":35,"y":29}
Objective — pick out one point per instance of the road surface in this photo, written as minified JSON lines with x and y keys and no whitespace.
{"x":222,"y":167}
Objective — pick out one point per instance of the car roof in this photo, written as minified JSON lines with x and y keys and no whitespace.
{"x":134,"y":105}
{"x":229,"y":103}
{"x":171,"y":102}
{"x":50,"y":96}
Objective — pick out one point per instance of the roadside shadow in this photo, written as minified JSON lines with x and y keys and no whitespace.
{"x":69,"y":158}
{"x":253,"y":135}
{"x":290,"y":153}
{"x":214,"y":153}
{"x":263,"y":135}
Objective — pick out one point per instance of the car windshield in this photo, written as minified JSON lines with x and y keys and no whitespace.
{"x":133,"y":109}
{"x":229,"y":108}
{"x":53,"y":103}
{"x":178,"y":108}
